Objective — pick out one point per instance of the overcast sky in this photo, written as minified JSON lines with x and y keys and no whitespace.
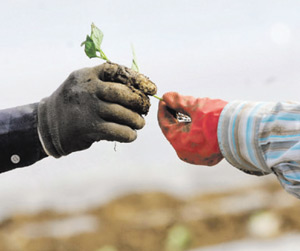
{"x":220,"y":49}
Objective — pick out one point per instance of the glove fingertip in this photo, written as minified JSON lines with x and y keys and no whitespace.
{"x":176,"y":101}
{"x":165,"y":118}
{"x":169,"y":97}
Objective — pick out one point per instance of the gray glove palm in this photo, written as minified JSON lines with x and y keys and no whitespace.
{"x":100,"y":103}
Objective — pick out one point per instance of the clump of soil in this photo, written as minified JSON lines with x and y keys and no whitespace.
{"x":138,"y":83}
{"x":142,"y":222}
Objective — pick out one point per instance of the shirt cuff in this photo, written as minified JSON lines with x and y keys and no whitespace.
{"x":238,"y":131}
{"x":19,"y":142}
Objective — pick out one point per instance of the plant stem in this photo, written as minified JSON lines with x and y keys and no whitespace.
{"x":103,"y":56}
{"x":158,"y":98}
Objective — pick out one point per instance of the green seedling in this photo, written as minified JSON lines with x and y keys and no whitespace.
{"x":92,"y":48}
{"x":92,"y":44}
{"x":135,"y":67}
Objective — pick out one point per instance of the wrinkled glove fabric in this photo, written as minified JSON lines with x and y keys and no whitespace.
{"x":195,"y":142}
{"x":100,"y":103}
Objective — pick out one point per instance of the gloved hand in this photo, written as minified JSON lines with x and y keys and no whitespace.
{"x":105,"y":102}
{"x":195,"y":142}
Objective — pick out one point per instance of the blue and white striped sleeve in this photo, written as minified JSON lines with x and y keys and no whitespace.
{"x":261,"y":138}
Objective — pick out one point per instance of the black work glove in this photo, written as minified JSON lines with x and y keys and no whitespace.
{"x":105,"y":102}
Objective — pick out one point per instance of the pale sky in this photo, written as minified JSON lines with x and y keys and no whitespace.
{"x":220,"y":49}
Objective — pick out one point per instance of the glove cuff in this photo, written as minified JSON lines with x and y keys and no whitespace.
{"x":48,"y":129}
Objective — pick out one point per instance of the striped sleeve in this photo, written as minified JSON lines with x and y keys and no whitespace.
{"x":261,"y":138}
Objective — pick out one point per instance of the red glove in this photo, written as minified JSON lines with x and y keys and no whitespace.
{"x":195,"y":142}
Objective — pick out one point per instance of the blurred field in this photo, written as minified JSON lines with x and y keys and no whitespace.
{"x":147,"y":221}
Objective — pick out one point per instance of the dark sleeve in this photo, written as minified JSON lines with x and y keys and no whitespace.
{"x":19,"y":142}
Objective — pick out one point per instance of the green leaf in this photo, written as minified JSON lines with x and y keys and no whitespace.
{"x":134,"y":65}
{"x":93,"y":43}
{"x":97,"y":37}
{"x":90,"y":49}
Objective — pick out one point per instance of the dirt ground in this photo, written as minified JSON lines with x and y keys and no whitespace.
{"x":146,"y":222}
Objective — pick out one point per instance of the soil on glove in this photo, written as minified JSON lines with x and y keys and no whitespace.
{"x":143,"y":222}
{"x":137,"y":82}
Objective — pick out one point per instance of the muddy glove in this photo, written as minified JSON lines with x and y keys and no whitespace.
{"x":195,"y":142}
{"x":100,"y":103}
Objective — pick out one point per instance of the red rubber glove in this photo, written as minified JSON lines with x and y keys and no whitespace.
{"x":195,"y":142}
